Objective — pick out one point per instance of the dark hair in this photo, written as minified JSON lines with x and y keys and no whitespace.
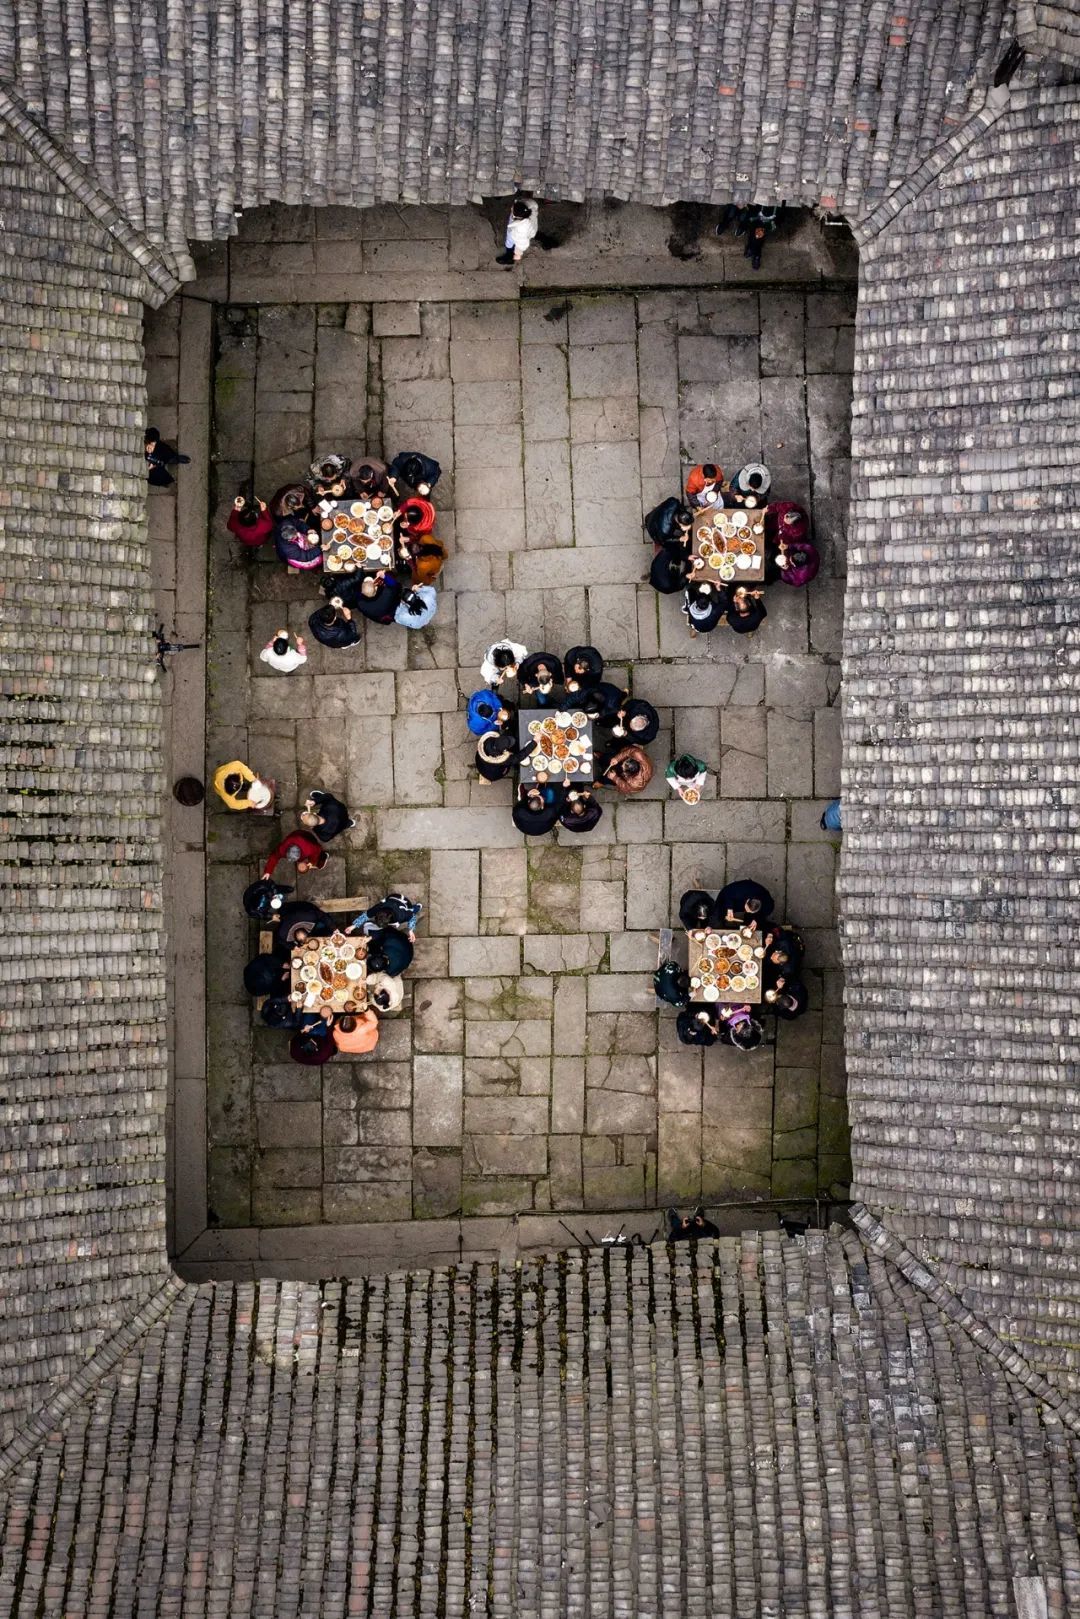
{"x":381,"y":997}
{"x":709,"y":472}
{"x":686,"y":765}
{"x":329,"y":471}
{"x":427,"y":549}
{"x":747,"y":1034}
{"x":236,"y":785}
{"x":702,"y":910}
{"x":502,"y":657}
{"x":493,"y":747}
{"x":383,"y":914}
{"x":534,"y":792}
{"x":580,"y":806}
{"x":630,"y":767}
{"x":347,"y":1022}
{"x":752,"y":904}
{"x":377,"y":961}
{"x":365,"y":473}
{"x":281,"y":645}
{"x":789,"y":1000}
{"x":521,"y":209}
{"x":683,"y":515}
{"x":326,"y":615}
{"x":755,"y":480}
{"x":799,"y":556}
{"x":413,"y":469}
{"x":413,"y":603}
{"x":249,"y":512}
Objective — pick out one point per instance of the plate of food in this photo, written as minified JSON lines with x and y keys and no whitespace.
{"x":579,"y":718}
{"x":710,"y":993}
{"x":744,"y":562}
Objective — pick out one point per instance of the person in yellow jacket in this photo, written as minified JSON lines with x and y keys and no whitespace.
{"x":241,"y":789}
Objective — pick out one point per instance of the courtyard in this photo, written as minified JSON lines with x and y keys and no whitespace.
{"x":530,"y":1072}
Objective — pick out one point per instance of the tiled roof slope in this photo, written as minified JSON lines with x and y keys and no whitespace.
{"x":960,"y":883}
{"x":757,"y":1427}
{"x":82,"y":1065}
{"x":188,"y":111}
{"x":1050,"y":30}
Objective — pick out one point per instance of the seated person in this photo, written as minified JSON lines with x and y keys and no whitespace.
{"x":603,"y":701}
{"x":418,"y":472}
{"x":334,"y":625}
{"x":750,"y":486}
{"x":789,"y":999}
{"x":368,"y":478}
{"x":704,"y":605}
{"x":501,"y":661}
{"x":488,"y":712}
{"x":325,"y":815}
{"x":293,"y":501}
{"x":696,"y":909}
{"x":378,"y":596}
{"x":266,"y":975}
{"x":312,"y":1046}
{"x":636,"y":719}
{"x":390,"y":951}
{"x":698,"y":1026}
{"x":329,"y":477}
{"x":583,"y":668}
{"x":426,"y":556}
{"x":671,"y":983}
{"x":783,"y":955}
{"x":669,"y":524}
{"x":393,"y":911}
{"x":629,"y":771}
{"x":417,"y":607}
{"x":796,"y":564}
{"x":298,"y":920}
{"x":705,"y":485}
{"x":498,"y":754}
{"x":301,"y":850}
{"x":742,"y":901}
{"x":739,"y":1029}
{"x":385,"y":993}
{"x":278,"y":1012}
{"x":786,"y":523}
{"x":670,"y":572}
{"x":690,"y":1227}
{"x":417,"y":517}
{"x":356,"y":1032}
{"x":744,"y":608}
{"x":250,"y":521}
{"x":264,"y":899}
{"x":580,"y":811}
{"x":537,"y":808}
{"x":538,"y":675}
{"x":298,"y":546}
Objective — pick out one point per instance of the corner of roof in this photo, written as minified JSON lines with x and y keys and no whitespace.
{"x":920,"y":1275}
{"x":883,"y":215}
{"x":160,"y":276}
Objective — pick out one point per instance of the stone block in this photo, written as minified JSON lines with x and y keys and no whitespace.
{"x":602,"y":320}
{"x":568,"y":1095}
{"x":484,"y":360}
{"x":797,"y":683}
{"x":369,"y":761}
{"x":505,"y":1155}
{"x":417,"y":745}
{"x":795,"y":1104}
{"x":549,"y":512}
{"x":679,"y":1081}
{"x":426,"y":692}
{"x":608,"y":1112}
{"x":622,"y":1071}
{"x":605,"y":472}
{"x":725,"y":360}
{"x":477,"y":957}
{"x":620,"y":992}
{"x":368,"y":1163}
{"x":436,"y":1184}
{"x":358,"y":1202}
{"x":454,"y":892}
{"x":564,"y":1158}
{"x":828,"y":404}
{"x":285,"y":1205}
{"x":678,"y":1158}
{"x":563,"y":952}
{"x":613,"y":619}
{"x":604,"y":421}
{"x":508,"y":1037}
{"x":506,"y":1115}
{"x":544,"y":393}
{"x":395,"y":320}
{"x":811,"y":885}
{"x":723,"y":820}
{"x":827,"y":752}
{"x":470,"y":828}
{"x":621,"y":1033}
{"x":790,"y":755}
{"x":288,"y":1124}
{"x":569,"y":1026}
{"x":621,"y":1187}
{"x":603,"y":370}
{"x":503,"y":1195}
{"x":438,"y":1024}
{"x":437,"y":1101}
{"x":783,"y":422}
{"x":413,"y":359}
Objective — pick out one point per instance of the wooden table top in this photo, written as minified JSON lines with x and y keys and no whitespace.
{"x":736,"y":979}
{"x":722,"y":533}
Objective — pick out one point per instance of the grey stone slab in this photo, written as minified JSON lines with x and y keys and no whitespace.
{"x":437,"y":1019}
{"x":620,"y":1187}
{"x":436,"y":1183}
{"x":678,"y":1077}
{"x":620,"y":992}
{"x":783,"y":422}
{"x":472,"y":828}
{"x":563,"y":952}
{"x":454,"y":892}
{"x":790,"y":755}
{"x":611,"y":562}
{"x":678,"y":1160}
{"x":599,"y":522}
{"x":505,"y":1155}
{"x":417,"y":745}
{"x":549,"y":509}
{"x":410,"y":359}
{"x":395,"y":320}
{"x":544,"y":391}
{"x":487,"y":404}
{"x":484,"y":360}
{"x":604,"y":472}
{"x":369,"y":755}
{"x":437,"y":1101}
{"x":723,"y":820}
{"x":718,"y":359}
{"x":782,"y":334}
{"x":508,"y":1037}
{"x":495,"y":954}
{"x":613,"y":619}
{"x":725,"y":312}
{"x":569,"y":1021}
{"x":648,"y":896}
{"x":658,"y":367}
{"x":568,"y":1095}
{"x":827,"y":752}
{"x":615,"y":1111}
{"x":543,"y":320}
{"x":604,"y":421}
{"x":481,"y":621}
{"x":828,"y":401}
{"x":603,"y":370}
{"x":633,"y":953}
{"x":602,"y":320}
{"x":811,"y":884}
{"x":506,"y":1115}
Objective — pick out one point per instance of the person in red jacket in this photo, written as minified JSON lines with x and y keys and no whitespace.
{"x":302,"y":850}
{"x":250,"y":521}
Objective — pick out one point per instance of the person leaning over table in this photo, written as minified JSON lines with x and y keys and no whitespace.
{"x":537,"y":808}
{"x":334,"y":625}
{"x":250,"y":521}
{"x":537,"y":677}
{"x":278,"y":1012}
{"x":783,"y":955}
{"x":669,"y":524}
{"x":266,"y":974}
{"x":293,"y":502}
{"x":385,"y":993}
{"x":280,"y":653}
{"x":486,"y":711}
{"x":426,"y":555}
{"x":356,"y":1033}
{"x":312,"y":1047}
{"x":744,"y":608}
{"x":237,"y":785}
{"x":298,"y":920}
{"x":501,"y":662}
{"x":671,"y":983}
{"x":739,"y":1029}
{"x":298,"y":546}
{"x":705,"y":485}
{"x":698,"y":1026}
{"x":629,"y":771}
{"x":498,"y":755}
{"x":670,"y":572}
{"x":788,"y":999}
{"x":325,"y":815}
{"x":580,"y":811}
{"x":696,"y":909}
{"x":377,"y":596}
{"x":583,"y":668}
{"x":264,"y":900}
{"x":369,"y":478}
{"x":299,"y":849}
{"x":417,"y":607}
{"x":329,"y":477}
{"x":415,"y":471}
{"x":390,"y":950}
{"x":795,"y":564}
{"x":742,"y":901}
{"x":603,"y":701}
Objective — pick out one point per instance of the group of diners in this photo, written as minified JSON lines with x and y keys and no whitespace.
{"x":399,"y":591}
{"x":746,"y":905}
{"x":609,"y":740}
{"x":352,"y":1027}
{"x":708,"y":601}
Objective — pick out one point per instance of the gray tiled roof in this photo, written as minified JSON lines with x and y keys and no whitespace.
{"x":208,"y":109}
{"x":1050,"y":30}
{"x":959,"y":872}
{"x":757,"y":1426}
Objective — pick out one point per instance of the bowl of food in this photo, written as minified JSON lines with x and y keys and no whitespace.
{"x":357,"y":508}
{"x":731,"y":941}
{"x":353,"y":970}
{"x":710,"y":993}
{"x":690,"y":795}
{"x":712,"y":941}
{"x":743,"y":563}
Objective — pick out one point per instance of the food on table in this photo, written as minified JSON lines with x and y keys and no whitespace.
{"x":726,"y":961}
{"x":562,"y":748}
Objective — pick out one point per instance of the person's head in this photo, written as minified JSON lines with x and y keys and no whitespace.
{"x":413,"y":604}
{"x":247,"y":511}
{"x":741,"y":600}
{"x":347,"y":1022}
{"x":534,"y":798}
{"x":710,"y":473}
{"x":545,"y":674}
{"x":801,"y":557}
{"x":638,"y":722}
{"x":301,"y":933}
{"x":325,"y":616}
{"x":381,"y":998}
{"x":412,"y":469}
{"x":701,"y":912}
{"x":280,"y":645}
{"x":377,"y":959}
{"x":779,"y":955}
{"x":492,"y":748}
{"x":293,"y":499}
{"x":752,"y":906}
{"x":235,"y":785}
{"x":520,"y":209}
{"x":686,"y":765}
{"x":580,"y":666}
{"x":683,"y":516}
{"x":788,"y":1000}
{"x":503,"y":658}
{"x":428,"y":548}
{"x":580,"y":806}
{"x":747,"y":1034}
{"x":383,"y":915}
{"x":331,"y":469}
{"x":310,"y":1042}
{"x":369,"y":586}
{"x":629,"y":769}
{"x":679,"y":568}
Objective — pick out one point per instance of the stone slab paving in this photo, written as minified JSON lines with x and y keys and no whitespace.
{"x":530,"y":1069}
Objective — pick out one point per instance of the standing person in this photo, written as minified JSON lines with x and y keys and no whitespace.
{"x":537,"y":809}
{"x":487,"y":712}
{"x":501,"y":662}
{"x":418,"y":472}
{"x":159,"y":457}
{"x":629,"y":771}
{"x":237,"y":785}
{"x":686,"y":776}
{"x":250,"y":521}
{"x":392,"y":911}
{"x":417,"y":607}
{"x":356,"y":1034}
{"x":704,"y":606}
{"x":325,"y":815}
{"x":831,"y":820}
{"x":299,"y":849}
{"x":334,"y":625}
{"x":280,"y":653}
{"x":690,"y":1227}
{"x":522,"y":229}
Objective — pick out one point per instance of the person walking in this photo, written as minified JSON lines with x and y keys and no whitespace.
{"x":160,"y":457}
{"x":522,"y":228}
{"x":239,"y":788}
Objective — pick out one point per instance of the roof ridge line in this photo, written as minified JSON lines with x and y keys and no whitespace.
{"x":90,"y":1374}
{"x":942,"y":157}
{"x":921,"y":1276}
{"x":78,"y":180}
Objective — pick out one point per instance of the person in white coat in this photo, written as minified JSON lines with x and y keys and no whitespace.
{"x":521,"y":229}
{"x":281,"y":654}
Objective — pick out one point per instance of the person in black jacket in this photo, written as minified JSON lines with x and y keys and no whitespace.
{"x":704,"y":605}
{"x":789,"y":999}
{"x":670,"y":571}
{"x":538,"y":809}
{"x":325,"y":815}
{"x":297,"y":921}
{"x":497,"y":754}
{"x":266,"y":974}
{"x":538,"y":677}
{"x":669,"y":524}
{"x":635,"y":720}
{"x":378,"y":596}
{"x":417,"y":471}
{"x":672,"y":984}
{"x":698,"y":1026}
{"x":389,"y":951}
{"x":696,"y":909}
{"x":334,"y":625}
{"x":159,"y":457}
{"x":742,"y":901}
{"x":580,"y":812}
{"x":583,"y":667}
{"x":744,"y":608}
{"x":603,"y":700}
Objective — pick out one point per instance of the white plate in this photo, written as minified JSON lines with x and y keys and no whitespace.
{"x":739,"y":519}
{"x":354,"y":970}
{"x":745,"y":562}
{"x":710,"y":993}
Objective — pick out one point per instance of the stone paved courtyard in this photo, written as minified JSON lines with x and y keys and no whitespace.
{"x":530,"y":1069}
